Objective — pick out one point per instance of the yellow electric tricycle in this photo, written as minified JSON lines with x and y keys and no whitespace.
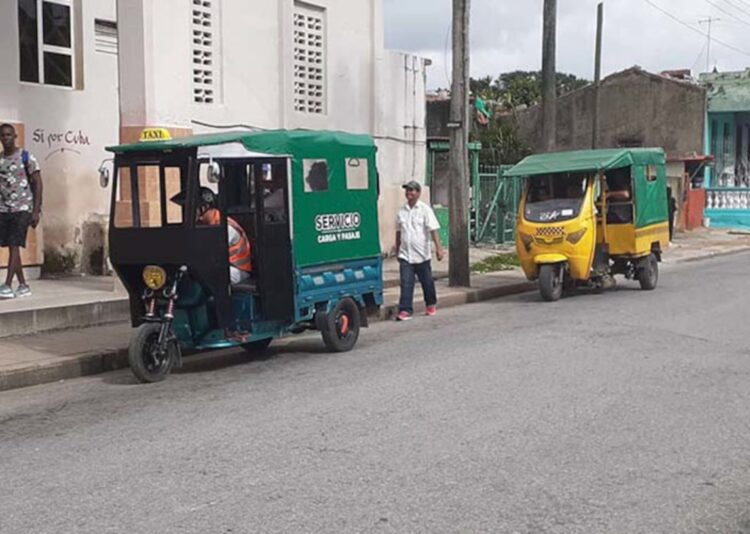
{"x":588,"y":215}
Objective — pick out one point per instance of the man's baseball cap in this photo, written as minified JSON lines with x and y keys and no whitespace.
{"x":413,"y":185}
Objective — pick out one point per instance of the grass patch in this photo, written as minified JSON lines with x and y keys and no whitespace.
{"x":499,"y":262}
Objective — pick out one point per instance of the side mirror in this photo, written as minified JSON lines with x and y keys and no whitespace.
{"x":214,"y":172}
{"x":104,"y":173}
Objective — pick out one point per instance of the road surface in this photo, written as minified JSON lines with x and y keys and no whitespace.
{"x":625,"y":412}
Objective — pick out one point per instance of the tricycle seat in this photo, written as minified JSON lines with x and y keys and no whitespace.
{"x":245,"y":287}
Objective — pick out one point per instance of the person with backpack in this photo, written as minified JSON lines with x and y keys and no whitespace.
{"x":20,"y":206}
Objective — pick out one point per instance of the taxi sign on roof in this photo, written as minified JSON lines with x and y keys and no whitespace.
{"x":155,"y":134}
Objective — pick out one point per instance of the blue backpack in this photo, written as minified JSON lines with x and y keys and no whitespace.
{"x":25,"y":160}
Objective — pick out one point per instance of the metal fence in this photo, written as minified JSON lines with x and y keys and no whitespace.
{"x":495,"y":205}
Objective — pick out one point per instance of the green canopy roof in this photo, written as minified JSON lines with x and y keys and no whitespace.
{"x":587,"y":160}
{"x":267,"y":142}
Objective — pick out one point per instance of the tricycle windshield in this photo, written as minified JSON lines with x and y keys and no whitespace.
{"x":555,"y":197}
{"x":145,"y":191}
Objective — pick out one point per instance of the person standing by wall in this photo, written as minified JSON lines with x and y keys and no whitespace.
{"x":672,"y":209}
{"x":416,"y":231}
{"x":20,"y":206}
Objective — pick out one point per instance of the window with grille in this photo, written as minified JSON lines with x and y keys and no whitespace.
{"x":309,"y":58}
{"x":105,"y":36}
{"x":205,"y":24}
{"x":45,"y":36}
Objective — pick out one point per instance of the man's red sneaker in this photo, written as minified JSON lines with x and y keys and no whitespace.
{"x":431,"y":311}
{"x":403,"y":316}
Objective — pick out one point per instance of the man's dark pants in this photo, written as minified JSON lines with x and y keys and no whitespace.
{"x":13,"y":228}
{"x":422,"y":271}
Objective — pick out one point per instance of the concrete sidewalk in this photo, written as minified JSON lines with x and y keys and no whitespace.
{"x":70,"y":302}
{"x":83,"y":301}
{"x":54,"y":350}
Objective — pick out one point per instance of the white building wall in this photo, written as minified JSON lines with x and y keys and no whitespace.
{"x":400,"y":134}
{"x":369,"y":90}
{"x":66,"y":129}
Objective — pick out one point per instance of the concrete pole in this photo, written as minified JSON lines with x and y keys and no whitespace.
{"x":549,"y":75}
{"x":597,"y":72}
{"x":458,"y":202}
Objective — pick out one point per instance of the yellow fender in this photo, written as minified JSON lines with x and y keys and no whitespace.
{"x":543,"y":259}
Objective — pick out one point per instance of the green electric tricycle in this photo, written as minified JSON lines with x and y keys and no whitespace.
{"x":305,"y":203}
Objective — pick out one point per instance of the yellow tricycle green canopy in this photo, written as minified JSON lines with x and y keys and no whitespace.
{"x":648,"y":172}
{"x":587,"y":160}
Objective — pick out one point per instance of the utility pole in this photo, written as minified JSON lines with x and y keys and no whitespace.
{"x":597,"y":72}
{"x":549,"y":75}
{"x":709,"y":21}
{"x":458,"y":199}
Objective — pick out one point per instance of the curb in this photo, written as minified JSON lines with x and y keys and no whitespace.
{"x":39,"y":320}
{"x":74,"y":367}
{"x":711,"y":255}
{"x":98,"y":362}
{"x":463,"y":296}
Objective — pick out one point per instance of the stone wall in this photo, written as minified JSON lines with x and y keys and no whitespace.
{"x":637,"y":108}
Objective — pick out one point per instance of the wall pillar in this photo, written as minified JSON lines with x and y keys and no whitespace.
{"x":155,"y":71}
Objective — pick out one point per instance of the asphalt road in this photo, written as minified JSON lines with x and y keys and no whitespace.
{"x":625,"y":412}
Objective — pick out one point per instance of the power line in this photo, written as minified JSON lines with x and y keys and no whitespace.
{"x":739,"y":8}
{"x":693,"y":28}
{"x":727,"y":12}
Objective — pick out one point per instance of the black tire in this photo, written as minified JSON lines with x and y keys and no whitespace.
{"x":145,"y":363}
{"x":257,"y":347}
{"x":551,"y":282}
{"x":340,"y":327}
{"x":648,"y":273}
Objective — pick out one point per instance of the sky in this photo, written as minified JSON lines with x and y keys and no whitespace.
{"x":506,"y":35}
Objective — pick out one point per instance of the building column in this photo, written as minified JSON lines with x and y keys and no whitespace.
{"x":155,"y":71}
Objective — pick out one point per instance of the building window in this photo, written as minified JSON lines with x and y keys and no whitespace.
{"x":205,"y":47}
{"x":309,"y":59}
{"x":45,"y":35}
{"x":105,"y":36}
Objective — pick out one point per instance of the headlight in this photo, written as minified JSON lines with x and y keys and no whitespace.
{"x":154,"y":277}
{"x":575,"y":237}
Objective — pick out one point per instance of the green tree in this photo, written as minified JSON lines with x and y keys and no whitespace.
{"x":521,"y":87}
{"x":500,"y":138}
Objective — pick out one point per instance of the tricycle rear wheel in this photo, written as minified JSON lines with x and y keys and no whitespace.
{"x":146,"y":362}
{"x":551,"y":281}
{"x":648,"y":272}
{"x":340,"y":327}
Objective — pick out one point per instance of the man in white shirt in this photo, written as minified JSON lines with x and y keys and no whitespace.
{"x":416,"y":231}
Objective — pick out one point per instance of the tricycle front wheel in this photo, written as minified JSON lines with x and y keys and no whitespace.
{"x":147,"y":362}
{"x":551,"y":281}
{"x":340,"y":327}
